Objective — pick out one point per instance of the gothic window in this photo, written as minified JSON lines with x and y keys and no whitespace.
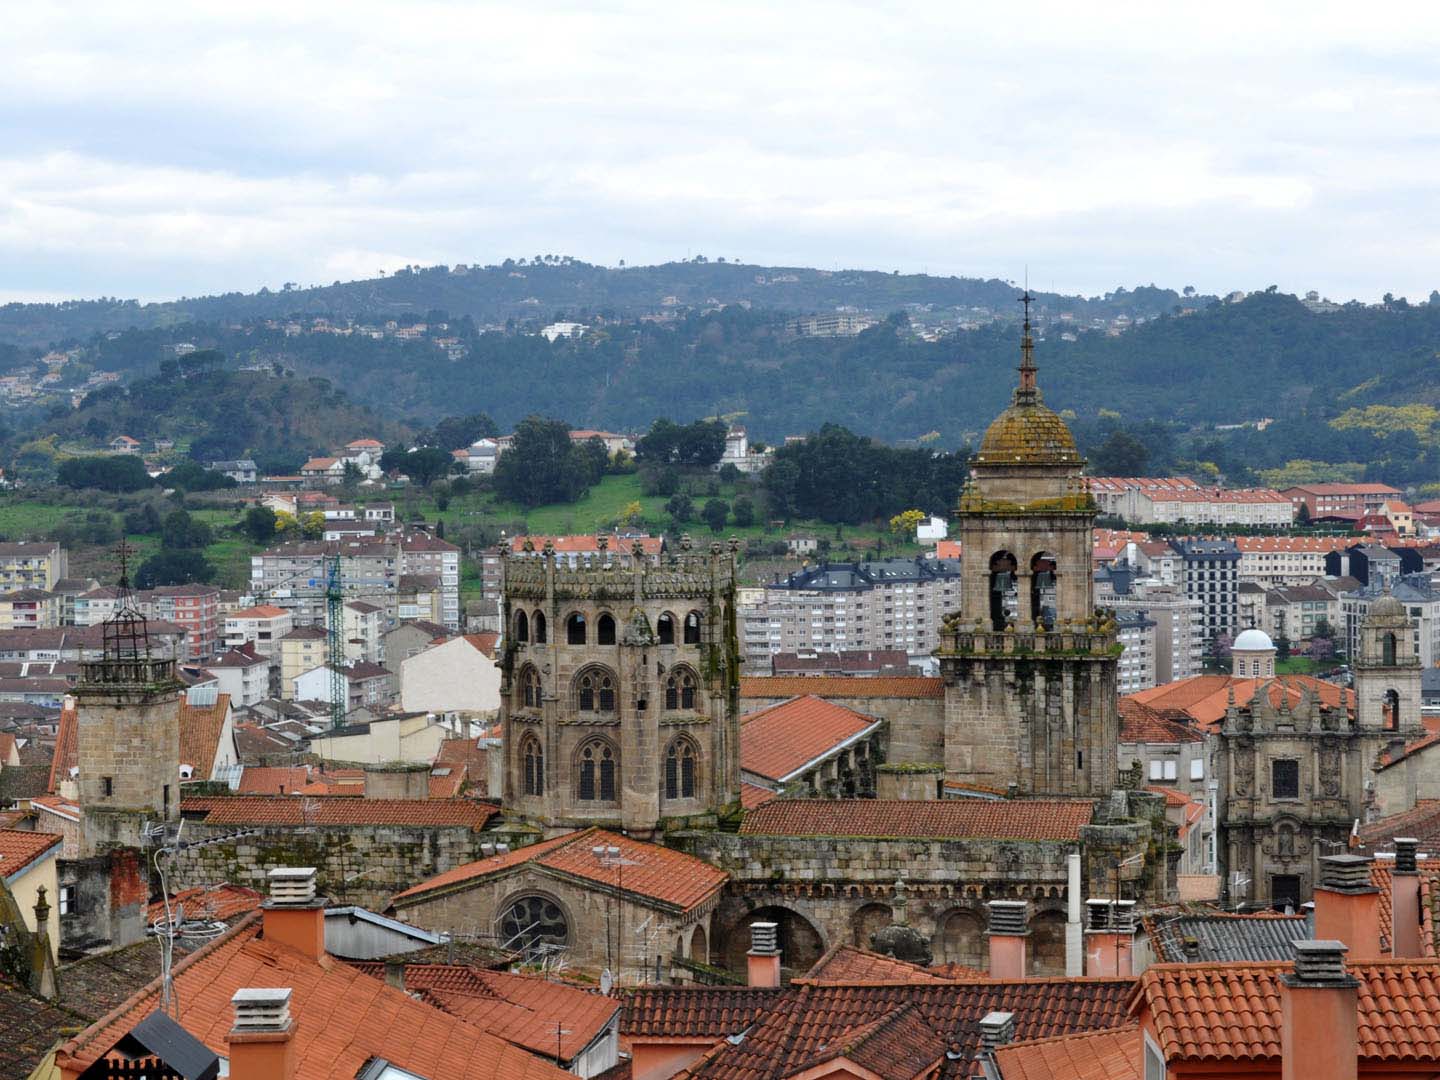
{"x":605,"y":630}
{"x":692,"y":628}
{"x":522,"y":627}
{"x":538,"y":625}
{"x":1004,"y":592}
{"x":680,"y":690}
{"x":680,"y":769}
{"x":533,"y":920}
{"x":1285,"y":778}
{"x":530,"y":688}
{"x":665,"y":628}
{"x":598,"y":773}
{"x":533,"y":761}
{"x":575,"y":629}
{"x":595,"y":691}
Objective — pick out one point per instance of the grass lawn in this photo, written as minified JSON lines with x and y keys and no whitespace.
{"x":1301,"y":665}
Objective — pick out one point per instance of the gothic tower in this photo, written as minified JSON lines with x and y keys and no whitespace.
{"x":1029,"y":666}
{"x":620,"y":693}
{"x":1387,"y":671}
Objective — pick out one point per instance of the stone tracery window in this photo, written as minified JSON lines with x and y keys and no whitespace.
{"x":533,"y":762}
{"x":595,"y":691}
{"x":533,"y":920}
{"x":530,"y":695}
{"x":598,"y":770}
{"x":680,"y":766}
{"x":680,"y":689}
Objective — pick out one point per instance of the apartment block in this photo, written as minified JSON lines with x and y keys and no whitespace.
{"x":32,"y":564}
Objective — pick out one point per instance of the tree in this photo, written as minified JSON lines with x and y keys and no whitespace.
{"x":1323,"y":629}
{"x":1322,"y":648}
{"x":743,"y":511}
{"x":633,"y":514}
{"x":905,"y":522}
{"x":543,"y":464}
{"x":426,"y":464}
{"x":699,"y":444}
{"x":1282,"y":648}
{"x":458,"y":432}
{"x":182,"y":532}
{"x":680,"y":507}
{"x":192,"y":476}
{"x":259,"y":524}
{"x":716,"y":512}
{"x":120,"y":473}
{"x":172,"y":567}
{"x":1121,"y":454}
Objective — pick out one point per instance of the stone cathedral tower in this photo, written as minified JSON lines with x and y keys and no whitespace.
{"x":620,"y":691}
{"x":1029,"y":666}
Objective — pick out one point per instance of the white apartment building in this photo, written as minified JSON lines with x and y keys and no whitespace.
{"x":1269,"y":561}
{"x":1137,"y":662}
{"x":1179,"y":649}
{"x":1147,"y":500}
{"x":263,"y":626}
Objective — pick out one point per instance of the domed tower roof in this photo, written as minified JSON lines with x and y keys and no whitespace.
{"x":1252,"y":640}
{"x":1387,"y":609}
{"x":1028,"y":432}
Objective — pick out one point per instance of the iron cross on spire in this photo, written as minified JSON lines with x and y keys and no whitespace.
{"x":1027,"y":349}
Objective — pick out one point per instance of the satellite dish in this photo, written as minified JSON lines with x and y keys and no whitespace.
{"x":607,"y":982}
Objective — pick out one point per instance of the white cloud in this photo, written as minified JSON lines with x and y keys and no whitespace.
{"x":152,"y":149}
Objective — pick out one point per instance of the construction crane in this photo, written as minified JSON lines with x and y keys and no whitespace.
{"x":335,"y":648}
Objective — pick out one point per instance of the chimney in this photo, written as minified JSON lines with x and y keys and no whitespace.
{"x":1110,"y":937}
{"x":1074,"y":926}
{"x":1347,"y":905}
{"x":262,"y":1043}
{"x":395,"y":974}
{"x":997,"y":1029}
{"x":294,"y":915}
{"x":1009,"y":927}
{"x":763,"y":959}
{"x":1405,"y":900}
{"x":1318,"y":1006}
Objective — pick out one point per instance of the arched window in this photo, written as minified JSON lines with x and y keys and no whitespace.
{"x":1392,"y":710}
{"x":665,"y":628}
{"x":598,"y":779}
{"x":522,"y":627}
{"x":1004,"y":592}
{"x":532,"y":759}
{"x":575,"y":629}
{"x":1042,"y":589}
{"x":595,"y":691}
{"x":680,"y":769}
{"x":680,"y":690}
{"x":692,"y":628}
{"x":538,"y":625}
{"x":605,"y":630}
{"x":1387,"y":649}
{"x":530,"y":688}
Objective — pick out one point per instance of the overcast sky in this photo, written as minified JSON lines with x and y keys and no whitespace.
{"x":168,"y":149}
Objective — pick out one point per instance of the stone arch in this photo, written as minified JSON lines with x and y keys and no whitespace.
{"x":1047,"y":943}
{"x":533,"y":918}
{"x":681,"y":688}
{"x":867,"y":920}
{"x":801,"y":941}
{"x":1392,"y":709}
{"x":522,"y":626}
{"x":1044,"y":584}
{"x":1004,"y":590}
{"x":527,"y":688}
{"x":693,"y":620}
{"x":682,"y":769}
{"x":961,"y":939}
{"x":532,"y":766}
{"x":699,"y":945}
{"x":1388,"y":649}
{"x":575,"y":628}
{"x":537,"y":627}
{"x":596,"y":771}
{"x":665,"y":628}
{"x":605,"y":629}
{"x":595,"y":689}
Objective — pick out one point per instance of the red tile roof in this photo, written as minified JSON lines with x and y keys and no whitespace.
{"x":468,"y":762}
{"x":521,"y":1009}
{"x":693,"y":1012}
{"x":784,"y":739}
{"x":650,"y":872}
{"x":842,"y":686}
{"x":1421,"y":821}
{"x":67,"y":749}
{"x":1093,"y":1055}
{"x":1232,"y":1011}
{"x":1139,"y":723}
{"x":1203,"y":698}
{"x":216,"y":902}
{"x":949,"y":819}
{"x":201,"y":728}
{"x":898,"y":1046}
{"x":259,"y":611}
{"x":290,"y":810}
{"x":752,"y":796}
{"x":1380,"y":877}
{"x":272,"y":780}
{"x":845,"y":963}
{"x":343,"y":1017}
{"x":7,"y":747}
{"x":484,"y":642}
{"x":19,"y":849}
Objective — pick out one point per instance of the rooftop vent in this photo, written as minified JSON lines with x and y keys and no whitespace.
{"x":765,"y":938}
{"x":1320,"y":962}
{"x":292,"y":885}
{"x":1345,"y":873}
{"x":1009,"y":916}
{"x":262,"y":1009}
{"x":1110,"y":916}
{"x":997,"y":1029}
{"x":1405,"y":852}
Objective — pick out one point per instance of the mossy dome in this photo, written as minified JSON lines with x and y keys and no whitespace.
{"x":1387,"y":607}
{"x":1031,"y":433}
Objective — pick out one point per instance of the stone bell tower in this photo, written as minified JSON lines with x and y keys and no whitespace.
{"x":620,"y":691}
{"x":1030,"y":668}
{"x":1387,"y":671}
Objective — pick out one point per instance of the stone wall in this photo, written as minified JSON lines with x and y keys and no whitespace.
{"x":363,"y":865}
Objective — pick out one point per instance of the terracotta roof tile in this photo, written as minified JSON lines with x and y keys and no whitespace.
{"x":19,"y":849}
{"x":344,"y":1018}
{"x":782,"y":740}
{"x":484,"y":642}
{"x":842,"y":686}
{"x":1232,"y":1011}
{"x":1203,"y":698}
{"x":694,"y":1012}
{"x":201,"y":728}
{"x":31,"y":1027}
{"x":290,"y":810}
{"x":216,"y":902}
{"x":845,"y":963}
{"x":898,"y":1046}
{"x":752,"y":796}
{"x":67,"y":749}
{"x":1422,"y":822}
{"x":273,"y":780}
{"x":1139,"y":723}
{"x":1092,"y":1055}
{"x":650,"y":872}
{"x":951,"y":819}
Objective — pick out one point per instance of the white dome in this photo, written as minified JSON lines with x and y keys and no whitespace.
{"x":1252,"y":640}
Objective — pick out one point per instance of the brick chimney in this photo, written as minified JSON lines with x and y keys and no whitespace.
{"x":1405,"y":900}
{"x":294,"y":915}
{"x":262,"y":1042}
{"x":1110,"y":937}
{"x":763,"y":960}
{"x":1347,"y":905}
{"x":1318,"y":1005}
{"x":1009,"y":927}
